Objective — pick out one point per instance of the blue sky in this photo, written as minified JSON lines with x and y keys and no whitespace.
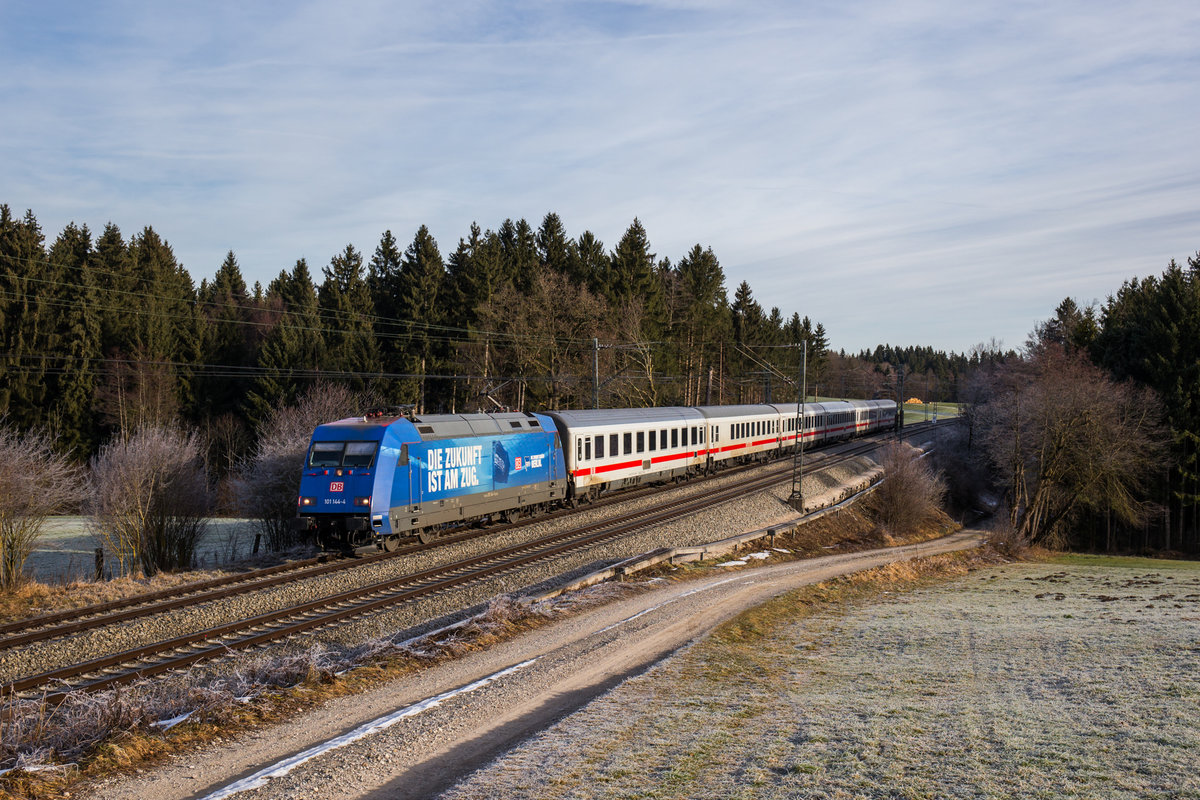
{"x":923,"y":172}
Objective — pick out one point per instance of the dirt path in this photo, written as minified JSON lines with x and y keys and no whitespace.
{"x":441,"y":733}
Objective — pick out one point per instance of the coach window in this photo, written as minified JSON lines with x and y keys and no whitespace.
{"x":674,"y":437}
{"x":641,"y":440}
{"x":612,"y":445}
{"x":579,"y":449}
{"x":695,"y":436}
{"x":600,"y":446}
{"x":587,"y":449}
{"x":662,"y":439}
{"x":628,"y":448}
{"x":653,"y":441}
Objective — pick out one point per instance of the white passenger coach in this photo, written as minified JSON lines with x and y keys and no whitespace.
{"x":616,"y":448}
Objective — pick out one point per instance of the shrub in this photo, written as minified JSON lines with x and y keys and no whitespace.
{"x":35,"y":483}
{"x":151,"y":499}
{"x":269,"y":481}
{"x":910,"y":492}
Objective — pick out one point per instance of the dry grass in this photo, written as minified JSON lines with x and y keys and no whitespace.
{"x":90,"y":736}
{"x":35,"y":598}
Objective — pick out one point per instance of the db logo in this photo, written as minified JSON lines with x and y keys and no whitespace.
{"x":337,"y":486}
{"x":517,"y":463}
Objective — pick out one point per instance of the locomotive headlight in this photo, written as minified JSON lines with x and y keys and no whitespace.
{"x":362,"y":501}
{"x":307,"y":501}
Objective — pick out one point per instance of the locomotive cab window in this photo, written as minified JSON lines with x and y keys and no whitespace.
{"x":359,"y":455}
{"x":326,"y":454}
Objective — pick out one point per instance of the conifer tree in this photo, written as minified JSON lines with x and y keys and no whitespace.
{"x":225,"y":307}
{"x":24,"y":315}
{"x":151,"y":382}
{"x":386,"y":285}
{"x":116,"y":285}
{"x":293,"y":350}
{"x":518,"y":247}
{"x":704,"y":322}
{"x":74,"y":340}
{"x":632,"y":278}
{"x":593,"y":262}
{"x":345,"y":304}
{"x":555,"y":250}
{"x":422,"y":275}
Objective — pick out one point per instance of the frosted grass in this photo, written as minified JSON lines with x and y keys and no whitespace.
{"x":1020,"y":681}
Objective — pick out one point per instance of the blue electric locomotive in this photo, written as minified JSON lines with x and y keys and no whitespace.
{"x":375,"y":479}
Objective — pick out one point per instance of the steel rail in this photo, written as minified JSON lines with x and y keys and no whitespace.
{"x":576,"y":538}
{"x":64,"y":623}
{"x":297,"y":619}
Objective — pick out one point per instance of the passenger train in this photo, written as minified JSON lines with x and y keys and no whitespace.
{"x":376,"y":479}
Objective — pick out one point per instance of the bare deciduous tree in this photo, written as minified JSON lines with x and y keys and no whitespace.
{"x":543,"y":336}
{"x":911,"y":490}
{"x":1065,"y":440}
{"x":267,"y":484}
{"x":35,"y":483}
{"x":151,"y":498}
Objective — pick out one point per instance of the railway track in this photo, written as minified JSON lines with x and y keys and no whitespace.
{"x":183,"y":651}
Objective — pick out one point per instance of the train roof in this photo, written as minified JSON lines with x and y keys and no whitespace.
{"x":460,"y":426}
{"x":590,"y":417}
{"x":830,"y":406}
{"x":721,"y":412}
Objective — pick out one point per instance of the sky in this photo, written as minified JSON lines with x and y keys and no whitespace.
{"x":929,"y":172}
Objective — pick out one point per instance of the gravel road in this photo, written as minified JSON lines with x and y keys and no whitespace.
{"x":514,"y":689}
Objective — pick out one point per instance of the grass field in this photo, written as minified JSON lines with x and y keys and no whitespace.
{"x":1077,"y":678}
{"x":919,"y":413}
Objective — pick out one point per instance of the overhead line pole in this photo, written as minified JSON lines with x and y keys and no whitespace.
{"x":796,"y":500}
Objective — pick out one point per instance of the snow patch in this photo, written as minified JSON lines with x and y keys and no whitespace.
{"x":167,"y":724}
{"x":285,"y":766}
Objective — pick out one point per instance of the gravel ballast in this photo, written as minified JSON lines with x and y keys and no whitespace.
{"x":754,"y":511}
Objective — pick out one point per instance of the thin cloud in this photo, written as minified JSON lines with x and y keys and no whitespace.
{"x":930,"y":173}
